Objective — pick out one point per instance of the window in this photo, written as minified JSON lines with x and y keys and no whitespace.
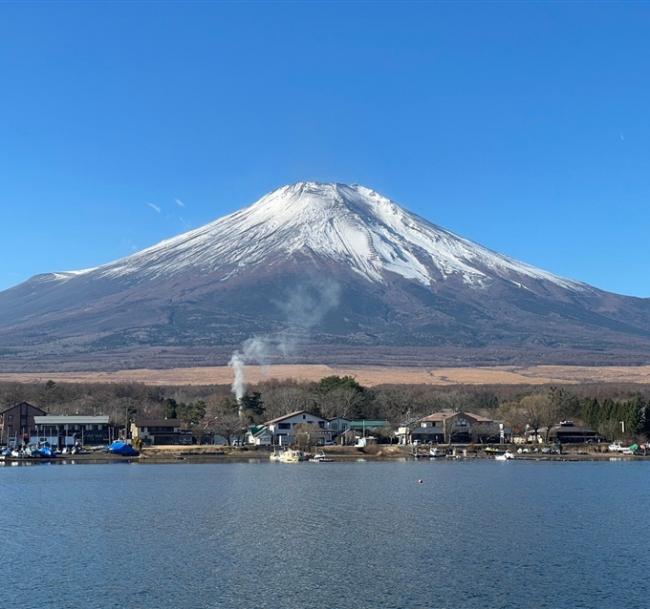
{"x":284,"y":426}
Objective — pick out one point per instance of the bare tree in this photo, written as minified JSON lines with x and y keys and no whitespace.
{"x":281,"y":399}
{"x":222,"y":417}
{"x":540,"y":411}
{"x":306,"y":435}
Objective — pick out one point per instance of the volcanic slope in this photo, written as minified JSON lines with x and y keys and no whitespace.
{"x":325,"y":273}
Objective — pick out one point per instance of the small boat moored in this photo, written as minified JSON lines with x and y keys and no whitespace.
{"x":291,"y":456}
{"x":321,"y":457}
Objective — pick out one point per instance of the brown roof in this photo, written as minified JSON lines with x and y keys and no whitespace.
{"x":439,"y":416}
{"x":479,"y":418}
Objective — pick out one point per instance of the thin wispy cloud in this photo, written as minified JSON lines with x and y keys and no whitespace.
{"x":154,"y":207}
{"x":180,"y":203}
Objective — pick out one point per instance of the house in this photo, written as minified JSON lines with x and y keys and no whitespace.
{"x":403,"y":433}
{"x":453,"y":427}
{"x":283,"y":429}
{"x":160,"y":431}
{"x":360,"y":429}
{"x":259,"y":435}
{"x":62,"y":431}
{"x":569,"y":432}
{"x":338,"y":425}
{"x":366,"y":425}
{"x":17,"y":423}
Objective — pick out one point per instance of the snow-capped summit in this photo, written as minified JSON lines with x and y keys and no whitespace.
{"x":348,"y":224}
{"x":362,"y":279}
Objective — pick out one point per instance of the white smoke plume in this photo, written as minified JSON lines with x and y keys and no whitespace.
{"x":239,"y":381}
{"x":305,"y":307}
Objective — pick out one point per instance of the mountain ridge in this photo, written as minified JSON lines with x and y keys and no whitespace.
{"x":402,"y":282}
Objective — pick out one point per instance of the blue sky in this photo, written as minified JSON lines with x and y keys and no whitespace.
{"x":523,"y":126}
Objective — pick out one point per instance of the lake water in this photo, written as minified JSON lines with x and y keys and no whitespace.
{"x":478,"y":534}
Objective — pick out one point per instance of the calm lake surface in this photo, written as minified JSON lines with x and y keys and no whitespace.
{"x":324,"y":536}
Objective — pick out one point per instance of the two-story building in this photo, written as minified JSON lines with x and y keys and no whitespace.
{"x":62,"y":430}
{"x":570,"y":433}
{"x":338,"y":425}
{"x":450,"y":426}
{"x":358,"y":429}
{"x":17,"y":423}
{"x":283,"y":429}
{"x":161,"y":431}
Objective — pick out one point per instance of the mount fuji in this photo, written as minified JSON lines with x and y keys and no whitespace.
{"x":317,"y":272}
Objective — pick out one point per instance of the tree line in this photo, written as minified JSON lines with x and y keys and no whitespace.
{"x":212,"y":409}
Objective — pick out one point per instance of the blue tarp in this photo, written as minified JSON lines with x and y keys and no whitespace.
{"x":46,"y":451}
{"x":122,"y":448}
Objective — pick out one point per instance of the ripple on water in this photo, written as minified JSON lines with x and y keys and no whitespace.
{"x":348,"y":535}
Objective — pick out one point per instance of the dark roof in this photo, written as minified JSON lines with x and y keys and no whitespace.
{"x":20,"y":404}
{"x":159,"y":423}
{"x":572,"y":429}
{"x":443,"y":415}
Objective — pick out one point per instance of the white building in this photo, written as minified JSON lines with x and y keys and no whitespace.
{"x":259,"y":435}
{"x":283,"y":429}
{"x":62,"y":431}
{"x":161,"y":431}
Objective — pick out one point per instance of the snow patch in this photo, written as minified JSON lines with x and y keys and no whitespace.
{"x":351,"y":225}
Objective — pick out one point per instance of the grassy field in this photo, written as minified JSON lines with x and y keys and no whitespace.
{"x":369,"y":376}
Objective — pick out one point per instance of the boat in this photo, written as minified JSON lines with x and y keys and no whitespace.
{"x":71,"y":450}
{"x":435,"y":452}
{"x":506,"y":456}
{"x":275,"y":456}
{"x":291,"y":456}
{"x":321,"y":457}
{"x":30,"y":452}
{"x":119,"y":447}
{"x":616,"y":447}
{"x":46,"y":451}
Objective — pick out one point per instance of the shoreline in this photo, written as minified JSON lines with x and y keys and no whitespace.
{"x":188,"y":455}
